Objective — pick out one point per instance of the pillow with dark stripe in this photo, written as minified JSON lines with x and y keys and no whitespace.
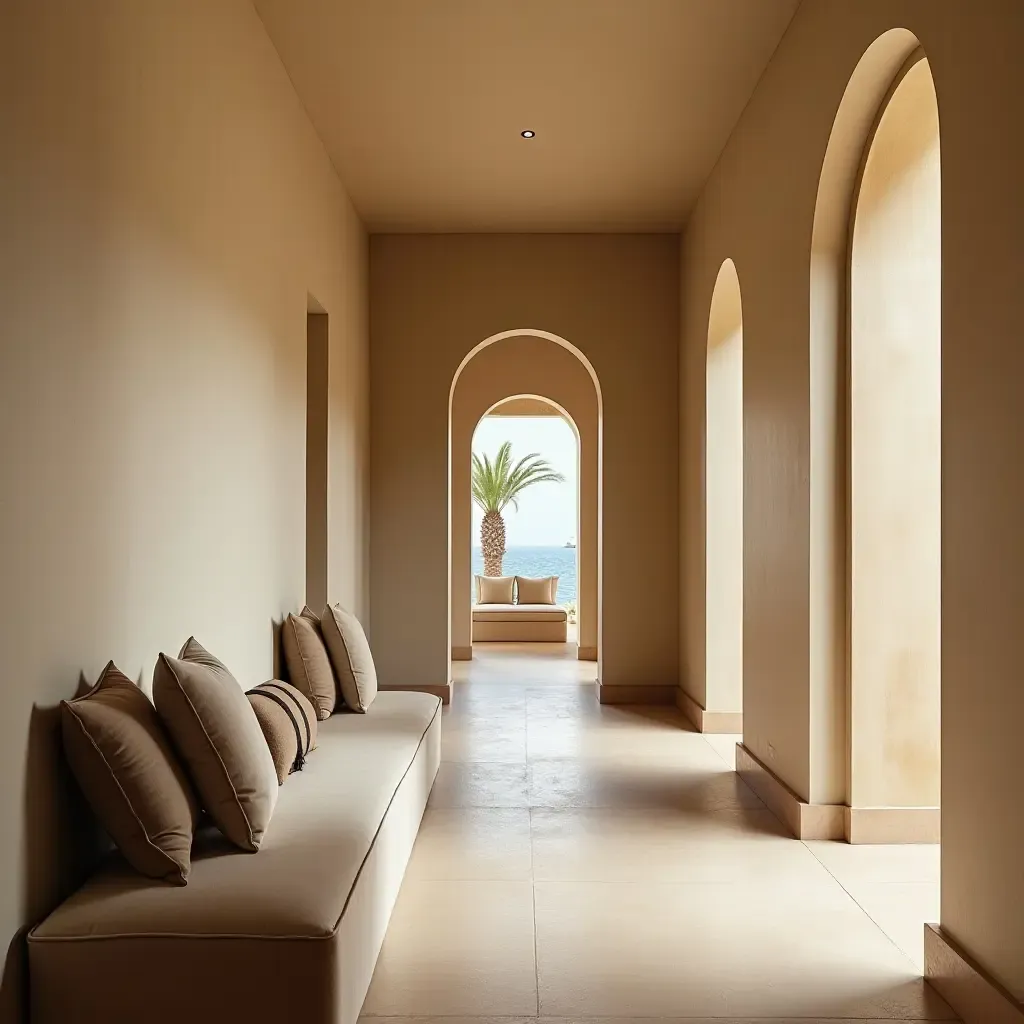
{"x":288,"y":722}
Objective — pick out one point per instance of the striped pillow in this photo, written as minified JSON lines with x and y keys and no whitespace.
{"x":288,"y":722}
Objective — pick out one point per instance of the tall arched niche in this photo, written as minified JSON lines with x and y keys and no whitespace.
{"x":895,"y":465}
{"x":525,"y":363}
{"x":863,"y":106}
{"x":723,"y":508}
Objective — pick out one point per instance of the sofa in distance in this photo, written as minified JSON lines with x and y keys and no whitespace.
{"x":519,"y":623}
{"x":290,"y":933}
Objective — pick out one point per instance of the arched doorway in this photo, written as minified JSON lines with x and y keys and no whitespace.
{"x":723,"y":508}
{"x":525,"y":363}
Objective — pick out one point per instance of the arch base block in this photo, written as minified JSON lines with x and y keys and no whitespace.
{"x":642,"y":694}
{"x":804,"y":820}
{"x":713,"y":722}
{"x":863,"y":826}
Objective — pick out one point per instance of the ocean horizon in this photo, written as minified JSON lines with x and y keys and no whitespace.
{"x":537,"y":561}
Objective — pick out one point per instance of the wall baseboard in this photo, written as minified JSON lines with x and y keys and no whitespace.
{"x":442,"y":690}
{"x":866,"y":825}
{"x":976,"y":997}
{"x":708,"y":721}
{"x":644,"y":694}
{"x":462,"y":654}
{"x":804,"y":820}
{"x":586,"y":653}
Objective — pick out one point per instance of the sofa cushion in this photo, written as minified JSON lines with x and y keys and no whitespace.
{"x":288,"y":722}
{"x":536,"y":590}
{"x":350,"y":656}
{"x":215,"y":730}
{"x":519,"y":613}
{"x":309,"y":666}
{"x":495,"y":589}
{"x":127,"y":769}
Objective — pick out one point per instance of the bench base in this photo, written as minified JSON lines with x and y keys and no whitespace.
{"x":520,"y":632}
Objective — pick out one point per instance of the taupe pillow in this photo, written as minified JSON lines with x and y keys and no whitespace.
{"x":350,"y":656}
{"x":540,"y":590}
{"x":309,"y":667}
{"x":494,"y":589}
{"x":127,"y":769}
{"x":288,"y":722}
{"x":215,"y":730}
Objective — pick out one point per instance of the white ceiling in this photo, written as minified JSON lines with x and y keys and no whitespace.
{"x":420,"y":104}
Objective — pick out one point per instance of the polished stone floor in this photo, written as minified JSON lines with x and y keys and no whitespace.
{"x":579,"y":862}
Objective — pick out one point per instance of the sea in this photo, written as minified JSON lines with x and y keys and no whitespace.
{"x":524,"y":561}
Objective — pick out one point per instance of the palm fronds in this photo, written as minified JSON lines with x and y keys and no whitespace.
{"x":499,"y":483}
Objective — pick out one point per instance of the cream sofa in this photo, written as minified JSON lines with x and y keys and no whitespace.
{"x":290,"y":933}
{"x":519,"y":623}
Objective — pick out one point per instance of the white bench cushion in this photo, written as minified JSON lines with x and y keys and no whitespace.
{"x":518,"y":613}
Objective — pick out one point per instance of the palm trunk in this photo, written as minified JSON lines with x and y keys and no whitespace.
{"x":492,"y":541}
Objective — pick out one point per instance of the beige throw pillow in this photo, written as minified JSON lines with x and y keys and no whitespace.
{"x":127,"y":769}
{"x":351,"y":657}
{"x":540,"y":590}
{"x":288,"y":722}
{"x":218,"y":736}
{"x":309,"y":667}
{"x":494,"y":589}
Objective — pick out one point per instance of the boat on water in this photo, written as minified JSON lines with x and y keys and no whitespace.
{"x":570,"y":543}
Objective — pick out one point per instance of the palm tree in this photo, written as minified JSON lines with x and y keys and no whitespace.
{"x":498,"y":484}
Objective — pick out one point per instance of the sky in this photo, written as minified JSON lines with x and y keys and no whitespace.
{"x":547,"y":512}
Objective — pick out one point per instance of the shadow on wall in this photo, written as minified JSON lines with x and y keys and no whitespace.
{"x":62,"y":844}
{"x":276,"y":658}
{"x":14,"y":981}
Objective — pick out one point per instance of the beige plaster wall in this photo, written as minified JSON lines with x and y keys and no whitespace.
{"x":434,"y":298}
{"x":758,"y":208}
{"x":165,"y":209}
{"x":520,"y":366}
{"x":894,"y":457}
{"x":723,"y":487}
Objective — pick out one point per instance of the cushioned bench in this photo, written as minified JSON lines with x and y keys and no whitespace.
{"x":290,"y":933}
{"x":519,"y":623}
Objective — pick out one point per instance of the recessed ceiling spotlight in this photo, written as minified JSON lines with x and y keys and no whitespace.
{"x":527,"y":134}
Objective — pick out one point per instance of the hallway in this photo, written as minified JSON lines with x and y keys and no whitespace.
{"x":579,"y":861}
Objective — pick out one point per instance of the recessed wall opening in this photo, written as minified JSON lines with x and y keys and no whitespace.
{"x":894,"y":460}
{"x":723,"y":483}
{"x":875,"y":453}
{"x":524,"y":582}
{"x":317,"y":359}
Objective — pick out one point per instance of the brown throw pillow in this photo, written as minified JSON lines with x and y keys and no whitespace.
{"x":539,"y":590}
{"x":494,"y":589}
{"x":351,"y":657}
{"x":309,"y":667}
{"x":128,"y":771}
{"x":288,"y":722}
{"x":219,"y":738}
